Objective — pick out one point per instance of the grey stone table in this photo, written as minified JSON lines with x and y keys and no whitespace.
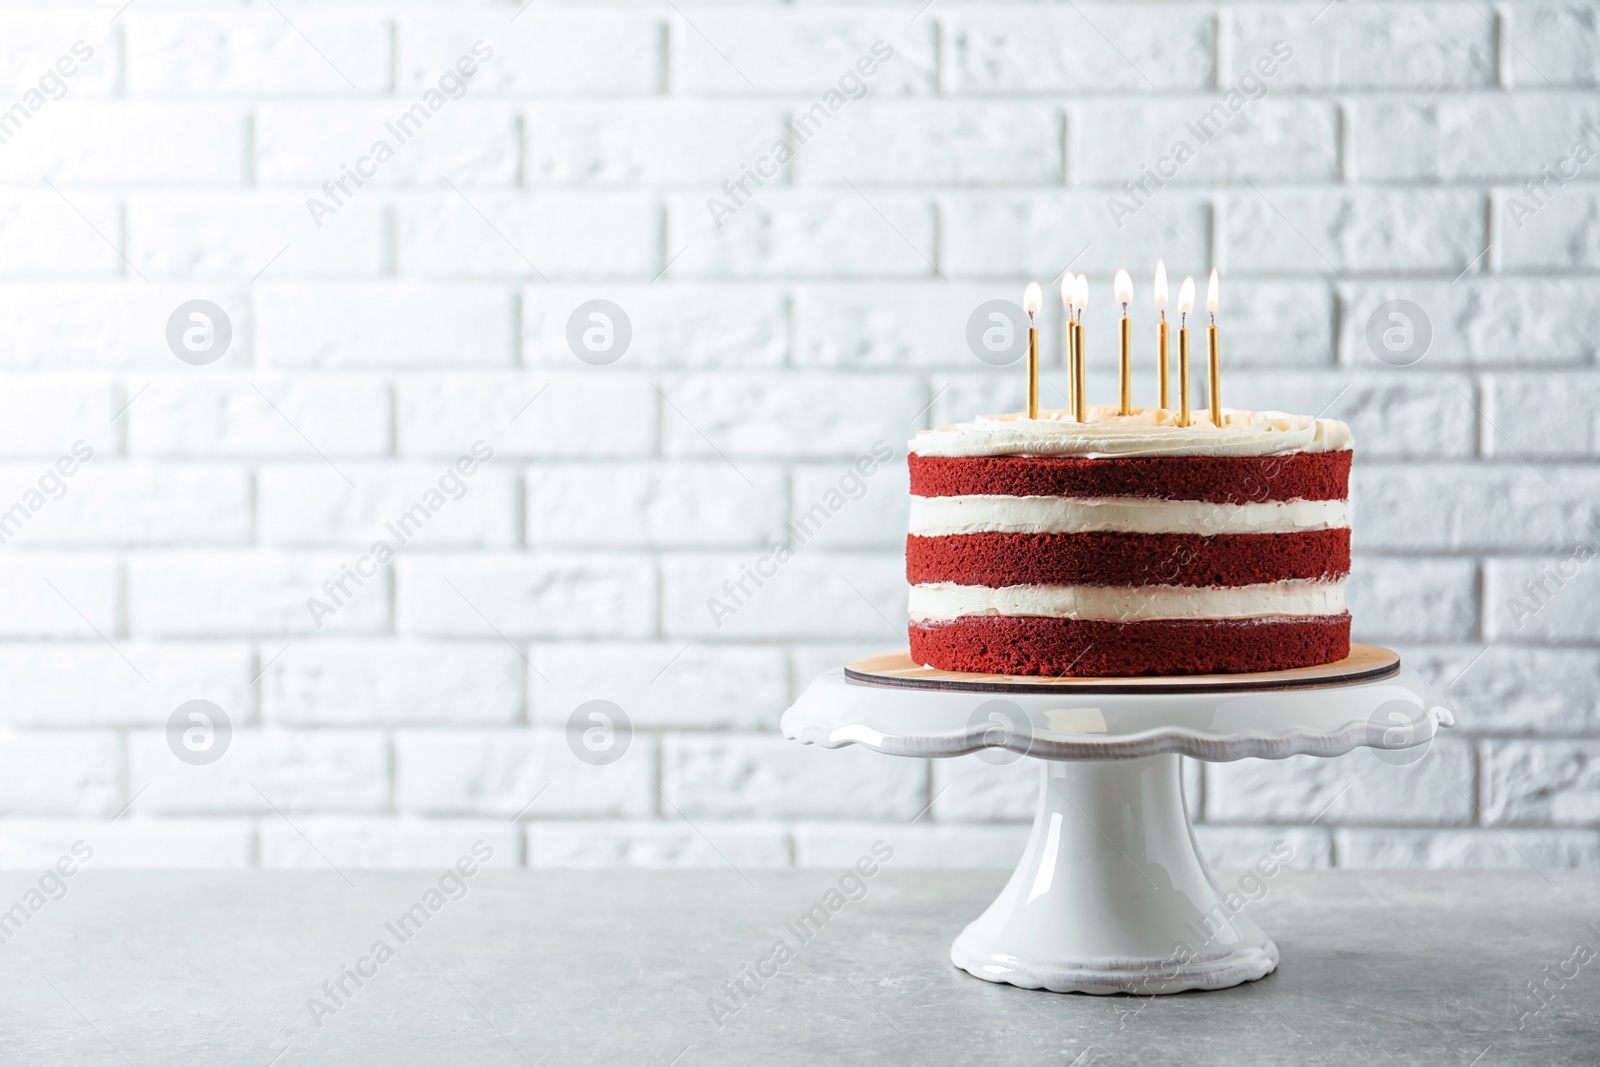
{"x":623,"y":967}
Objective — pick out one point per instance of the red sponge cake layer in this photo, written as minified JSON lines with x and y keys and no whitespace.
{"x":1000,"y":644}
{"x":1001,"y":559}
{"x":1217,"y":479}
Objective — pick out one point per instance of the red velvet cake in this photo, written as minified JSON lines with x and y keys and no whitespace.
{"x":1128,"y":545}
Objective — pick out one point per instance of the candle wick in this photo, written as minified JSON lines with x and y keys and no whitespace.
{"x":1163,"y":314}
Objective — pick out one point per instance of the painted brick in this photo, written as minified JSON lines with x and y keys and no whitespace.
{"x":268,"y":417}
{"x":59,"y":773}
{"x":265,"y":772}
{"x":1413,"y":599}
{"x":1357,"y":789}
{"x":133,"y":504}
{"x":687,"y":505}
{"x":90,"y":683}
{"x":672,"y":325}
{"x":768,"y":777}
{"x":544,"y":595}
{"x":999,"y":787}
{"x":414,"y":844}
{"x":1305,"y":230}
{"x":921,"y":142}
{"x":44,"y":235}
{"x":1005,"y":51}
{"x":1476,"y":321}
{"x":1514,"y":690}
{"x":130,"y":843}
{"x":1551,"y":600}
{"x":876,"y":515}
{"x":245,"y":235}
{"x":430,"y":505}
{"x":803,"y":233}
{"x":1555,"y":42}
{"x":543,"y":235}
{"x":909,"y":325}
{"x":1392,"y":415}
{"x":662,"y":686}
{"x":1535,"y":417}
{"x":646,"y":143}
{"x":198,"y":54}
{"x":129,"y":142}
{"x":1505,"y":507}
{"x":1560,"y":227}
{"x":44,"y":415}
{"x":207,"y":594}
{"x":1512,"y":850}
{"x":706,"y":845}
{"x":539,"y":53}
{"x":507,"y":773}
{"x":1368,"y":46}
{"x":1002,"y":234}
{"x":310,"y":146}
{"x":813,"y":596}
{"x":381,"y":683}
{"x":808,"y":661}
{"x":801,"y":52}
{"x":1471,"y":137}
{"x":383,"y":324}
{"x":59,"y":595}
{"x":36,"y":42}
{"x":1541,"y":783}
{"x":115,"y":324}
{"x":1262,"y":140}
{"x":799,"y":416}
{"x":837,"y":845}
{"x":594,"y":415}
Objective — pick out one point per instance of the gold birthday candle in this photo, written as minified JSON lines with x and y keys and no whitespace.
{"x":1162,"y":292}
{"x":1185,"y":305}
{"x":1032,"y":300}
{"x":1122,"y":288}
{"x":1214,"y":360}
{"x":1080,"y":395}
{"x":1069,"y":285}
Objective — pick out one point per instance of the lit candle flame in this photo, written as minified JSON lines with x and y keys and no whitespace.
{"x":1069,"y":291}
{"x":1211,"y":292}
{"x":1083,"y":292}
{"x":1186,"y":296}
{"x":1032,"y":299}
{"x":1162,"y":289}
{"x":1122,"y":286}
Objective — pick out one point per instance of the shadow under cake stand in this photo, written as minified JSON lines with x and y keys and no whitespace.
{"x":1111,"y":894}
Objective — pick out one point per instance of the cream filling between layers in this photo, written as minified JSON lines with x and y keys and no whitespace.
{"x":946,"y":516}
{"x":942,"y":601}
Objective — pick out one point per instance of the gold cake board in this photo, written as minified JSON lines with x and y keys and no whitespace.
{"x":898,"y":669}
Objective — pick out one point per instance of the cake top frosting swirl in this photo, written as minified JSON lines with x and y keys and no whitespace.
{"x":1147,"y":432}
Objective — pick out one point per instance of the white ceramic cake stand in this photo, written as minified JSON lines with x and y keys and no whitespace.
{"x":1111,"y":894}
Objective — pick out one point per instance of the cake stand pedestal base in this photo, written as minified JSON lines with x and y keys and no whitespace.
{"x":1111,"y":895}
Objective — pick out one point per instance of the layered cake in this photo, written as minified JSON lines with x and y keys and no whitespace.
{"x":1128,"y":545}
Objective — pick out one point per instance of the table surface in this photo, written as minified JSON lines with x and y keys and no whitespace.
{"x":619,"y":967}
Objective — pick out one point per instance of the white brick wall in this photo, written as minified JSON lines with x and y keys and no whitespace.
{"x":1385,"y":159}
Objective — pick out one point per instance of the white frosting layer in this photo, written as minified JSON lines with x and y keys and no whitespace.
{"x":1147,"y":432}
{"x":1299,"y":597}
{"x":944,"y":516}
